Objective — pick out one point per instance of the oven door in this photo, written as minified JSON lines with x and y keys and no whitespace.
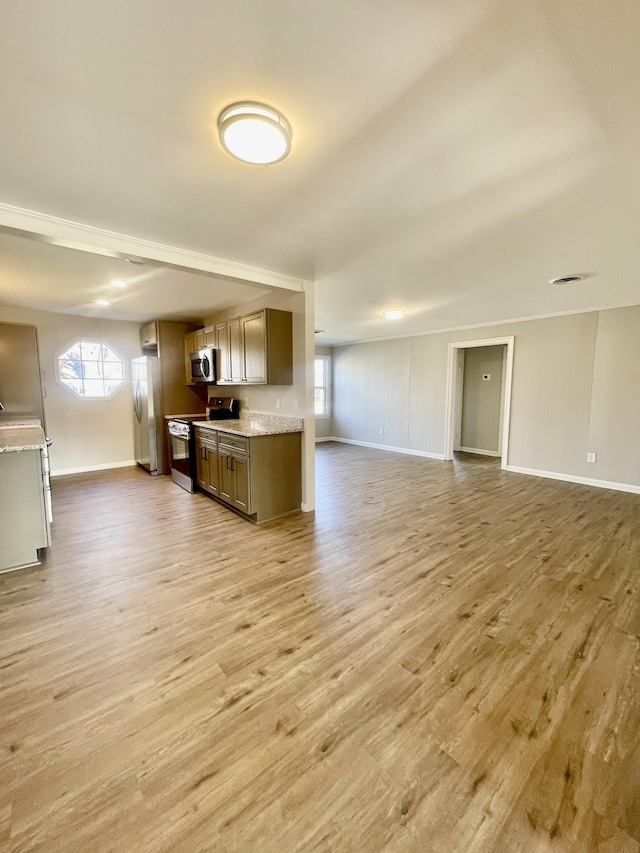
{"x":181,"y":455}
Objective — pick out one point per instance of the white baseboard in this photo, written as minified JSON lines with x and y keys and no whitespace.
{"x":404,"y":450}
{"x":84,"y":469}
{"x":478,"y":451}
{"x":325,"y":438}
{"x":569,"y":478}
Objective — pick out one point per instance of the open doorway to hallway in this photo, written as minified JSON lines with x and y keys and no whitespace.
{"x":479,"y":398}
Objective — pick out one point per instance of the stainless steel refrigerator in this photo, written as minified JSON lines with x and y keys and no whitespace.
{"x":148,"y":420}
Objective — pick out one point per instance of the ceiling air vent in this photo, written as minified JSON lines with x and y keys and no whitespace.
{"x":566,"y":279}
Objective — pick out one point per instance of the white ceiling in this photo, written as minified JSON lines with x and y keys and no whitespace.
{"x":449,"y":156}
{"x":44,"y":277}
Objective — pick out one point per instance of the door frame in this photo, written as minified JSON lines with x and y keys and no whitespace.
{"x":453,"y":390}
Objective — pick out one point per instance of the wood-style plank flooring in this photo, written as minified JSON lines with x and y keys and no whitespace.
{"x":446,"y":658}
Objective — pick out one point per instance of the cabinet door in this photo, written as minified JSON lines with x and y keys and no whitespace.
{"x":210,"y":336}
{"x":226,"y":489}
{"x":235,"y":351}
{"x":241,"y":480}
{"x":213,"y":472}
{"x":198,"y":340}
{"x":207,"y":474}
{"x":222,"y":347}
{"x":254,"y":348}
{"x":202,"y":474}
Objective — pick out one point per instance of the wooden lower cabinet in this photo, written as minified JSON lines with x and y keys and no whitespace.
{"x":207,"y":462}
{"x":259,"y":477}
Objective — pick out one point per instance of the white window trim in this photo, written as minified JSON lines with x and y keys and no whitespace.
{"x":89,"y":340}
{"x":327,"y":376}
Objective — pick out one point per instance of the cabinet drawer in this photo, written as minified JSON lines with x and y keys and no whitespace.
{"x":207,"y":437}
{"x":237,"y":443}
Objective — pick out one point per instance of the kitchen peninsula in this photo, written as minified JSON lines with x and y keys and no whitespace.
{"x":252,"y":464}
{"x":24,"y":518}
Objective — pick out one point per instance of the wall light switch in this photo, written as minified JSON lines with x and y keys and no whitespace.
{"x":591,"y":457}
{"x":486,"y":376}
{"x":380,"y":431}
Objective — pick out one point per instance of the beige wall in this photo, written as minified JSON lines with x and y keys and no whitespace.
{"x":615,"y":408}
{"x":576,"y":389}
{"x":480,"y":427}
{"x":324,"y":426}
{"x":86,"y":433}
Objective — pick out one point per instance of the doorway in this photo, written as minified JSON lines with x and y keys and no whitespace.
{"x":479,"y":397}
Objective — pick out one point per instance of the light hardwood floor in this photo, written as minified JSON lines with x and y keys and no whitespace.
{"x":446,"y":658}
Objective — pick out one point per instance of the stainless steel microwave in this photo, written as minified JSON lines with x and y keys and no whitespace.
{"x":203,"y":366}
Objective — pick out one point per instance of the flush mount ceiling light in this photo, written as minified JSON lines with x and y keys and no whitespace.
{"x":118,"y":283}
{"x":567,"y":279}
{"x":254,"y":133}
{"x":393,"y":315}
{"x":102,"y":302}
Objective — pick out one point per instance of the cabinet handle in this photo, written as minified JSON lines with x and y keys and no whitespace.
{"x":232,"y":468}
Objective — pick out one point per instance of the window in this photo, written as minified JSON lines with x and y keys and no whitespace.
{"x":91,"y":369}
{"x":321,"y":386}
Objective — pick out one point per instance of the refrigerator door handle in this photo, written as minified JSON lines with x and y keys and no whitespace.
{"x":137,"y":404}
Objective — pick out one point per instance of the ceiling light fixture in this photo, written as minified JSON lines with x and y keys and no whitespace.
{"x":254,"y":133}
{"x":393,"y":315}
{"x":118,"y":283}
{"x":102,"y":302}
{"x":567,"y":279}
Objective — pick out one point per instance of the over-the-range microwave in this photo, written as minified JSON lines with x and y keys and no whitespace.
{"x":203,"y":365}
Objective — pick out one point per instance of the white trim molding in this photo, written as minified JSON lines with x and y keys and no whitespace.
{"x":85,"y":469}
{"x":478,"y":452}
{"x":449,"y":425}
{"x":87,"y":238}
{"x":388,"y":447}
{"x":569,"y":478}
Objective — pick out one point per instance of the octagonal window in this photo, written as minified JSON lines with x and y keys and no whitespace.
{"x":91,"y":369}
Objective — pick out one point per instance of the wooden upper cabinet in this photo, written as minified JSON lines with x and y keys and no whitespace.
{"x":235,"y":351}
{"x":222,"y":353}
{"x":267,"y":347}
{"x":256,"y":349}
{"x":198,"y":340}
{"x":193,"y":341}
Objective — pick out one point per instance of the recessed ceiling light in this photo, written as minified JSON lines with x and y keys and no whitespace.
{"x":102,"y":302}
{"x":319,"y":331}
{"x":118,"y":283}
{"x":393,"y":315}
{"x":254,"y":133}
{"x":567,"y":279}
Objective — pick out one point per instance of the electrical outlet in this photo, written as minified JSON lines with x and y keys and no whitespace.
{"x":591,"y":457}
{"x":277,"y":402}
{"x":380,"y":431}
{"x":246,"y":401}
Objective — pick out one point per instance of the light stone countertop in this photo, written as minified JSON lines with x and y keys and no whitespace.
{"x":253,"y":424}
{"x":16,"y":437}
